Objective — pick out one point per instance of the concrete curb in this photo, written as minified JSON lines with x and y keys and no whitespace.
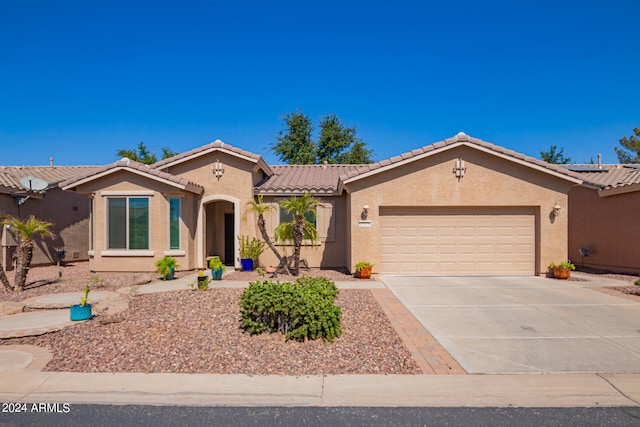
{"x":557,"y":390}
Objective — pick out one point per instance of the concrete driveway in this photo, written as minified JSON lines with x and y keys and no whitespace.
{"x":525,"y":324}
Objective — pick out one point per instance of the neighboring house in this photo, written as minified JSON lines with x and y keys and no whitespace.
{"x":604,"y":229}
{"x":460,"y":206}
{"x":68,"y":212}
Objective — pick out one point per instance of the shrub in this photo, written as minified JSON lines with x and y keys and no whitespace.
{"x":301,"y":310}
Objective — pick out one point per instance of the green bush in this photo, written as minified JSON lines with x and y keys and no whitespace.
{"x":301,"y":310}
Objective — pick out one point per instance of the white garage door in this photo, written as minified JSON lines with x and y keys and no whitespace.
{"x":457,"y":241}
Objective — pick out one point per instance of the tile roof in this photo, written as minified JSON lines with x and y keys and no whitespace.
{"x":133,"y":166}
{"x":608,"y":176}
{"x":213,"y":146}
{"x":458,"y":139}
{"x":53,"y":175}
{"x":299,"y":179}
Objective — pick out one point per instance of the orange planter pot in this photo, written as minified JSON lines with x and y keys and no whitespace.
{"x":561,"y":273}
{"x":365,"y":273}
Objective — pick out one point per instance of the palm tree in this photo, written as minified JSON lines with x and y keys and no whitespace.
{"x":3,"y":278}
{"x":299,"y":227}
{"x":261,"y":208}
{"x":24,"y":231}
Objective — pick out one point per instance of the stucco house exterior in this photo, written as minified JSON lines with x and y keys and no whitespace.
{"x":460,"y":206}
{"x":68,"y":211}
{"x":604,"y":229}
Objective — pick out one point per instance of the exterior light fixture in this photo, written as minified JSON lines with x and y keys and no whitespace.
{"x":556,"y":209}
{"x":218,"y":170}
{"x":365,"y":212}
{"x":459,"y":169}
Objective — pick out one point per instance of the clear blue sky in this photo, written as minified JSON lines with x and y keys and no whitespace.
{"x":81,"y":79}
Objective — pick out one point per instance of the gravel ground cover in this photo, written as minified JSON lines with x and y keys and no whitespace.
{"x":198,"y":332}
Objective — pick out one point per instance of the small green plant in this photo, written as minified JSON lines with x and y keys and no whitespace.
{"x":301,"y":310}
{"x":250,"y":249}
{"x":637,"y":282}
{"x":215,"y":263}
{"x":164,"y":266}
{"x":566,"y":264}
{"x":361,"y":265}
{"x":260,"y":271}
{"x":85,"y":296}
{"x":202,"y":283}
{"x":59,"y":274}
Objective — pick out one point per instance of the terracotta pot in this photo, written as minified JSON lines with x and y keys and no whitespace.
{"x":561,"y":273}
{"x":365,"y":273}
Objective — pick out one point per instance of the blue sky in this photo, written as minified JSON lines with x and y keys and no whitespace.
{"x":81,"y":79}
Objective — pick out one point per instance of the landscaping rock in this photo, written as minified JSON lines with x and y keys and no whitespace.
{"x":8,"y":308}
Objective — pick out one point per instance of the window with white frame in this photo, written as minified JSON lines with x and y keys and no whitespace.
{"x":128,"y":223}
{"x":174,"y":223}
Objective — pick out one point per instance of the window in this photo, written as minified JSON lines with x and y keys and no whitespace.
{"x":174,"y":223}
{"x":287,"y":217}
{"x":128,"y":223}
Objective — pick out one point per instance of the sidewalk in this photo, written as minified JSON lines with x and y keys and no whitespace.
{"x":336,"y":390}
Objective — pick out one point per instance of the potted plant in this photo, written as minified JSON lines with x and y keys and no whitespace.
{"x":562,"y":270}
{"x":202,"y":283}
{"x":363,"y":270}
{"x":217,"y":268}
{"x":166,"y":267}
{"x":81,"y":311}
{"x":250,"y":250}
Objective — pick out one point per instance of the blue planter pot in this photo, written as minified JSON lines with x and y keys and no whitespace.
{"x":216,"y":273}
{"x":169,"y":276}
{"x":78,"y":312}
{"x":247,"y":264}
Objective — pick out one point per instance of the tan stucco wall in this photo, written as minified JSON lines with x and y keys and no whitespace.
{"x":330,"y":250}
{"x":123,"y":184}
{"x":235,"y":186}
{"x":608,"y":227}
{"x":69,"y":213}
{"x":489,"y":181}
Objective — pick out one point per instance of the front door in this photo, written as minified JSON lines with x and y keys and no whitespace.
{"x":229,"y":243}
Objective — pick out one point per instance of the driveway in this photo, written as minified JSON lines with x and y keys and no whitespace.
{"x":524,"y":324}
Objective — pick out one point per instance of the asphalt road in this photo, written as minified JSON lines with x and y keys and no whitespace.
{"x":110,"y":415}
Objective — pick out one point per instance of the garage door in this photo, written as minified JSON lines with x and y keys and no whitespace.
{"x":457,"y":241}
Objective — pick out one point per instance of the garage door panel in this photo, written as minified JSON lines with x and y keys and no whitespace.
{"x":450,"y":241}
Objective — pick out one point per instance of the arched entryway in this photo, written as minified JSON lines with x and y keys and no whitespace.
{"x":218,"y":227}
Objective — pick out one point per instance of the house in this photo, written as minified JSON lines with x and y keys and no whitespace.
{"x":460,"y":206}
{"x":604,"y":229}
{"x":69,"y":212}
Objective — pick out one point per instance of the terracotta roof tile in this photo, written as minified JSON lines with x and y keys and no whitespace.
{"x":53,"y":175}
{"x":607,"y":176}
{"x":299,"y":179}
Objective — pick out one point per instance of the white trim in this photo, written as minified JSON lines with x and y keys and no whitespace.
{"x":200,"y":227}
{"x":466,"y":144}
{"x":133,"y":193}
{"x":174,"y":252}
{"x":128,"y":169}
{"x":126,"y":253}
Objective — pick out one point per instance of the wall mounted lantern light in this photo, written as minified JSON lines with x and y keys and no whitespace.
{"x":556,"y":209}
{"x":365,"y":212}
{"x":218,"y":170}
{"x":459,"y":169}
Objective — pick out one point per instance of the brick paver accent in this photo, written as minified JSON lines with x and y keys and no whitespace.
{"x":430,"y":356}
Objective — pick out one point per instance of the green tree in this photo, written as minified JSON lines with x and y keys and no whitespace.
{"x":555,"y":156}
{"x":630,"y":153}
{"x":143,"y":155}
{"x":299,"y":227}
{"x":295,"y":145}
{"x":261,"y":209}
{"x":336,"y":142}
{"x":24,"y":232}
